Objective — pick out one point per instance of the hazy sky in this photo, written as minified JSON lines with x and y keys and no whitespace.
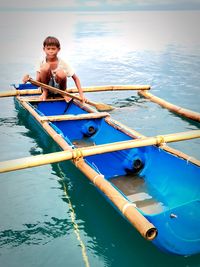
{"x":82,"y":5}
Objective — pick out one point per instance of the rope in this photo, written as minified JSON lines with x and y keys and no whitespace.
{"x":77,"y":155}
{"x":126,"y":206}
{"x":73,"y":216}
{"x":97,"y":176}
{"x":160,"y":140}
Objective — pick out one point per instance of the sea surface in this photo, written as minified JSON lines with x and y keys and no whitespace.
{"x":51,"y":215}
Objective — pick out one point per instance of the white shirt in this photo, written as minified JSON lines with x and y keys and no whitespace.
{"x":65,"y":66}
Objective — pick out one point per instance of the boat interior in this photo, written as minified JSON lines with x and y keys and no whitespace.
{"x":153,"y":179}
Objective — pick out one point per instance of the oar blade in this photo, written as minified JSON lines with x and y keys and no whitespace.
{"x":103,"y":107}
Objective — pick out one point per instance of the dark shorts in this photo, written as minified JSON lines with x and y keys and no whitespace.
{"x":53,"y":83}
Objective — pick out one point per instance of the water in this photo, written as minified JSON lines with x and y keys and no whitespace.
{"x":51,"y":215}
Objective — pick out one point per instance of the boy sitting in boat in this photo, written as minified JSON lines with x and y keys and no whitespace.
{"x":54,"y":71}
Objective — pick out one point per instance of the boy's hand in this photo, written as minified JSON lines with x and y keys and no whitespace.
{"x":83,"y":100}
{"x":26,"y":78}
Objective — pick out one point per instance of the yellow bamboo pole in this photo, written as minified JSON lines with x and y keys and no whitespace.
{"x":121,"y":127}
{"x":36,"y":98}
{"x":134,"y":134}
{"x":20,"y":92}
{"x":87,"y":116}
{"x":110,"y":88}
{"x":75,"y":90}
{"x":34,"y":161}
{"x":144,"y":227}
{"x":176,"y":109}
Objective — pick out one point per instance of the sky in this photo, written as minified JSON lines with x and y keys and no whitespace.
{"x":98,"y":5}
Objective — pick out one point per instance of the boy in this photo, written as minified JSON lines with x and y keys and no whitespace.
{"x":53,"y":71}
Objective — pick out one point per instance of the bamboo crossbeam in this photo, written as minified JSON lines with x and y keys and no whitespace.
{"x":37,"y":99}
{"x":75,"y":117}
{"x":88,"y":89}
{"x":176,"y":109}
{"x":34,"y":161}
{"x":20,"y":92}
{"x":110,"y":88}
{"x":134,"y":134}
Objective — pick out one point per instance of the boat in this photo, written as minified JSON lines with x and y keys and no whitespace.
{"x":154,"y":187}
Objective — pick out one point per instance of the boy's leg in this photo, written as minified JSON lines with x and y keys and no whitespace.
{"x":61,"y":79}
{"x":45,"y":75}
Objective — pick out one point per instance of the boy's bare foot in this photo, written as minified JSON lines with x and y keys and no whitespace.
{"x":44,"y":94}
{"x":43,"y":97}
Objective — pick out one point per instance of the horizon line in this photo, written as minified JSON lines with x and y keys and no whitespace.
{"x":64,"y":9}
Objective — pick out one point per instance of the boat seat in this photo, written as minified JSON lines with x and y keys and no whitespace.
{"x":146,"y":203}
{"x":95,"y":115}
{"x":36,"y":98}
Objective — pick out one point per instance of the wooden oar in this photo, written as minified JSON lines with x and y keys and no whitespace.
{"x":39,"y":160}
{"x":98,"y":106}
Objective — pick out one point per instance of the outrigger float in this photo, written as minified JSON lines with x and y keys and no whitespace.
{"x":154,"y":187}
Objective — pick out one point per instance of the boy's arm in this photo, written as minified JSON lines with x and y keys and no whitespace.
{"x":78,"y":85}
{"x":44,"y":91}
{"x":38,"y":76}
{"x":26,"y":77}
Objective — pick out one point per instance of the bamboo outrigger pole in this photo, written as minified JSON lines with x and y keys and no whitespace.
{"x":75,"y":90}
{"x":176,"y":109}
{"x":111,"y":88}
{"x":20,"y":92}
{"x":28,"y":162}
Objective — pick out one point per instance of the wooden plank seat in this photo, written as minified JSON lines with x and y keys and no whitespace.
{"x":75,"y":117}
{"x":36,"y":98}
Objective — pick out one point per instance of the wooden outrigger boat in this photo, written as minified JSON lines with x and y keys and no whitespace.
{"x":154,"y":187}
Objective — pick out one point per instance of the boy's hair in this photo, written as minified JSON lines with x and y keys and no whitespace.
{"x":50,"y":40}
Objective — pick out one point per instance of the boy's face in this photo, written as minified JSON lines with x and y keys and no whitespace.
{"x":51,"y":51}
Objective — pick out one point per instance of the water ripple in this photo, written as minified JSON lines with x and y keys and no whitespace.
{"x":35,"y":233}
{"x":8,"y":122}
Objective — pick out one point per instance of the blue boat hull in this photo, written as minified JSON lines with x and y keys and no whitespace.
{"x":164,"y":187}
